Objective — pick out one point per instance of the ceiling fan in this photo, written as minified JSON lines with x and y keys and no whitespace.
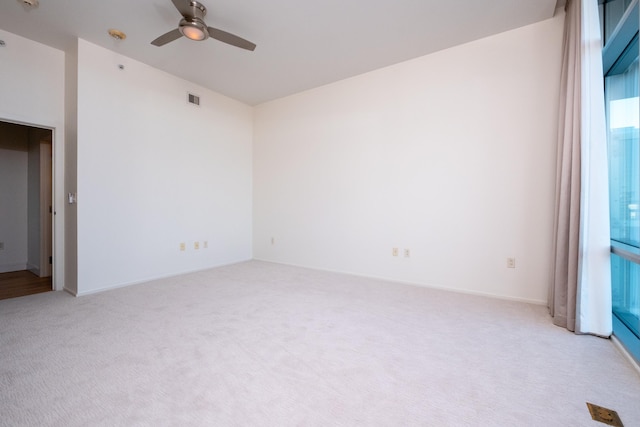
{"x":193,"y":27}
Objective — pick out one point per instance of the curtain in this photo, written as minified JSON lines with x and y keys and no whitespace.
{"x":580,"y":292}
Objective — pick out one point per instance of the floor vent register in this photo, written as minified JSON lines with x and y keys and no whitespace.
{"x":604,"y":415}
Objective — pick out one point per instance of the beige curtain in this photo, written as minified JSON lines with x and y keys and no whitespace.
{"x":564,"y":267}
{"x":580,"y":292}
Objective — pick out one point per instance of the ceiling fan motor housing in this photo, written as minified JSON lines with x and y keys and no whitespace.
{"x":199,"y":11}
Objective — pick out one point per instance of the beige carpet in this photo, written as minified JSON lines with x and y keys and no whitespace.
{"x":260,"y":344}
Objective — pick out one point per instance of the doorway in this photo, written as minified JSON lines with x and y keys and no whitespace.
{"x":26,"y":214}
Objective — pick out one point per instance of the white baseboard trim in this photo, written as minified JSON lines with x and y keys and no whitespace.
{"x":422,"y":285}
{"x":150,"y":279}
{"x":617,"y":344}
{"x":7,"y":268}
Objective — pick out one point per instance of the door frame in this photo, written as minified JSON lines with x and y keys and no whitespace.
{"x":57,"y":191}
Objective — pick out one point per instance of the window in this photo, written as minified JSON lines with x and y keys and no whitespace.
{"x":611,"y":13}
{"x":620,"y":59}
{"x":621,"y":100}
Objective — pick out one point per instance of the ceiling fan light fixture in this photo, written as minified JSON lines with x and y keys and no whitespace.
{"x":194,"y":29}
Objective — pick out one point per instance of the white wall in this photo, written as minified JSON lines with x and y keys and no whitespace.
{"x":154,"y":171}
{"x":13,"y":209}
{"x":450,"y":155}
{"x":32,"y":92}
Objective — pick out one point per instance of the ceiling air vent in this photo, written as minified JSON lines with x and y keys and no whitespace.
{"x":194,"y":99}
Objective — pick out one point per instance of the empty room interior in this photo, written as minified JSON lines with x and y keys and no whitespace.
{"x":342,"y":213}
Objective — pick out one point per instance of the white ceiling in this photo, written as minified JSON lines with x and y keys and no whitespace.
{"x":300,"y":44}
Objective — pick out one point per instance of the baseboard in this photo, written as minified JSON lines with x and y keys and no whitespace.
{"x":616,"y":342}
{"x":34,"y":269}
{"x":422,"y":285}
{"x":7,"y":268}
{"x":69,"y":291}
{"x":151,"y":279}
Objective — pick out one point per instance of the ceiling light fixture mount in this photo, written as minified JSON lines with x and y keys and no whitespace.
{"x":117,"y":34}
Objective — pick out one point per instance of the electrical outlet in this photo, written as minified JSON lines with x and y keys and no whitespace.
{"x":183,"y":246}
{"x":407,"y":253}
{"x":394,"y":252}
{"x":511,"y":263}
{"x":205,"y":244}
{"x":196,"y":245}
{"x":273,"y":241}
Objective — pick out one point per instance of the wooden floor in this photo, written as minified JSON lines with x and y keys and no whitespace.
{"x":21,"y":283}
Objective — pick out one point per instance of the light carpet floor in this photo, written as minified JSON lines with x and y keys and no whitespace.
{"x":261,"y":344}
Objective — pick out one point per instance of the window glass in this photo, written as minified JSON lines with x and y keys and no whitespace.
{"x":625,"y":292}
{"x":623,"y":117}
{"x":611,"y":13}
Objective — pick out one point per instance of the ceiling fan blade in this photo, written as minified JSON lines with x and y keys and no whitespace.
{"x":231,"y":39}
{"x":167,"y":37}
{"x":184,"y":7}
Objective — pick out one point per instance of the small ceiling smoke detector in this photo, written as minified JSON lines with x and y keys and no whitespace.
{"x":30,"y":3}
{"x":117,"y":34}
